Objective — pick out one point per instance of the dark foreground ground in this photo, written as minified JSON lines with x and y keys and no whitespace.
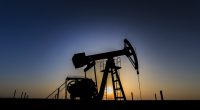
{"x":56,"y":104}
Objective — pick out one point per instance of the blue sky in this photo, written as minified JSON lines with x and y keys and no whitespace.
{"x":38,"y":39}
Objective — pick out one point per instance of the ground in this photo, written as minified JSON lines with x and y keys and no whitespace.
{"x":101,"y":105}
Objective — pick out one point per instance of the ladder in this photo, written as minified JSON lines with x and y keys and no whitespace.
{"x":117,"y":86}
{"x":114,"y":66}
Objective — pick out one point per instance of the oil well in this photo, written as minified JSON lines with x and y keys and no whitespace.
{"x":83,"y":88}
{"x":83,"y":92}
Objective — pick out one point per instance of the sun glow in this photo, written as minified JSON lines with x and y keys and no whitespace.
{"x":109,"y":90}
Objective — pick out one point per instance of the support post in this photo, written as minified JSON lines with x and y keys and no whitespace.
{"x":155,"y":97}
{"x":14,"y":93}
{"x":24,"y":95}
{"x":161,"y":95}
{"x":85,"y":75}
{"x":132,"y":96}
{"x":95,"y":74}
{"x":66,"y":88}
{"x":21,"y":95}
{"x":58,"y":93}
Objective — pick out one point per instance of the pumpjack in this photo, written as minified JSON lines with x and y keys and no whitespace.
{"x":86,"y":88}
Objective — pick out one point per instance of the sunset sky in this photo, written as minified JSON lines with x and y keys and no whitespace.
{"x":38,"y":39}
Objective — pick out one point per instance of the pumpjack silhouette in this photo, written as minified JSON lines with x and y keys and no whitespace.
{"x":85,"y":88}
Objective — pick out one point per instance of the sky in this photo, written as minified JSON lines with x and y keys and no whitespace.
{"x":38,"y":39}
